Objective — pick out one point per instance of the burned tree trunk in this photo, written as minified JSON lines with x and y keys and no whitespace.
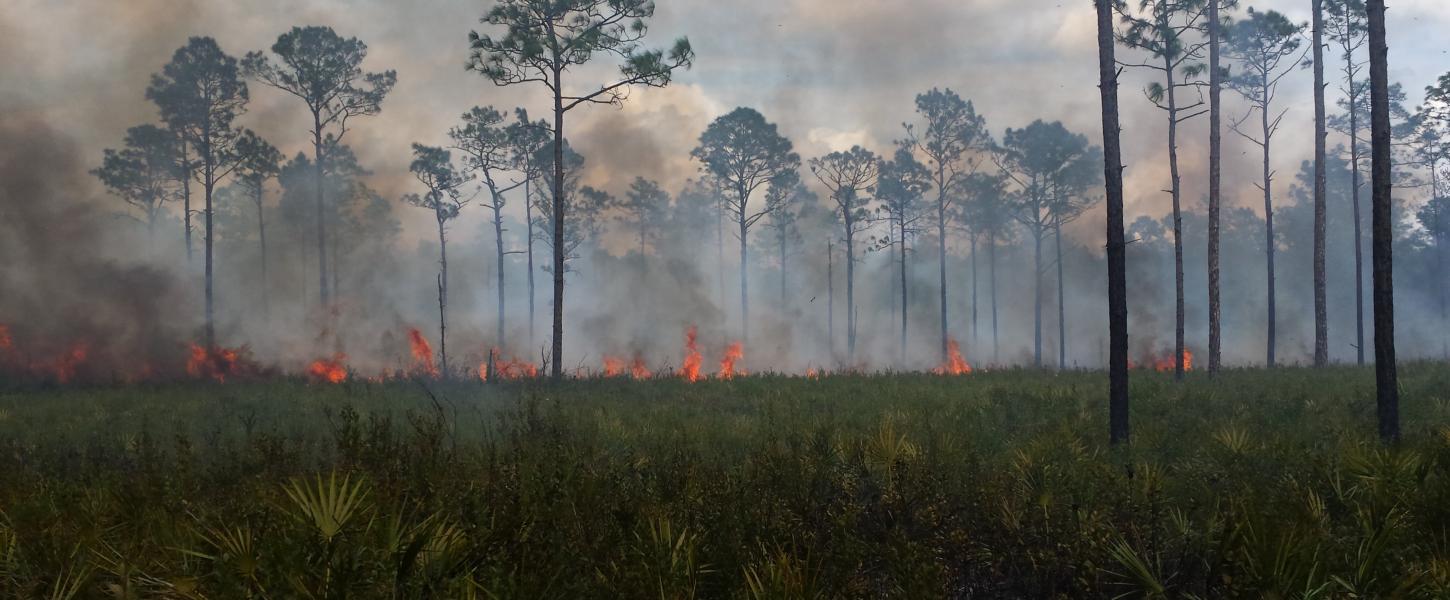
{"x":1215,"y":160}
{"x":1386,"y":377}
{"x":1321,"y":306}
{"x":1270,"y":326}
{"x":1117,"y":280}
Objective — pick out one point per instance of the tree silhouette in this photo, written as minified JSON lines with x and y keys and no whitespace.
{"x":989,"y":208}
{"x":200,"y":93}
{"x":645,"y":206}
{"x":1344,"y":21}
{"x":529,"y":138}
{"x":1387,"y":391}
{"x":258,"y":162}
{"x":324,"y":70}
{"x":900,"y":191}
{"x":1113,"y":176}
{"x":743,"y":152}
{"x":433,"y":167}
{"x":487,"y":144}
{"x":142,"y":173}
{"x":850,"y":176}
{"x":1160,"y":28}
{"x":948,"y":139}
{"x":1265,"y":44}
{"x":543,"y":39}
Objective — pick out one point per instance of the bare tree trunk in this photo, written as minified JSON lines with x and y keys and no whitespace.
{"x":499,"y":254}
{"x":1061,"y":303}
{"x":1215,"y":175}
{"x":744,"y":278}
{"x":1386,"y":378}
{"x":1037,"y":230}
{"x":831,"y":296}
{"x":186,"y":172}
{"x":1321,"y":302}
{"x":974,"y":288}
{"x":1176,"y":190}
{"x":992,"y":275}
{"x":321,"y":220}
{"x":209,"y":185}
{"x":850,"y":291}
{"x":1358,"y":224}
{"x":442,"y":296}
{"x":262,"y":237}
{"x":783,"y":301}
{"x":902,"y":352}
{"x":557,"y":345}
{"x":941,"y":235}
{"x":1268,"y":233}
{"x":1117,"y":280}
{"x":529,"y":251}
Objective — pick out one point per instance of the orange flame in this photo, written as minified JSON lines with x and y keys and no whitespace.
{"x":690,"y":370}
{"x":328,"y":370}
{"x":5,"y":340}
{"x":955,"y":365}
{"x":422,"y":353}
{"x":218,"y":363}
{"x":1165,"y":362}
{"x":65,"y":365}
{"x":812,"y":373}
{"x":733,"y":353}
{"x":511,"y":369}
{"x":637,"y":368}
{"x":613,"y":366}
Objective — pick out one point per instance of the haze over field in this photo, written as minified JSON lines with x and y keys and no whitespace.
{"x":829,"y":73}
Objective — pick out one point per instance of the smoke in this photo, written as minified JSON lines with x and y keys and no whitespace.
{"x":831,"y":74}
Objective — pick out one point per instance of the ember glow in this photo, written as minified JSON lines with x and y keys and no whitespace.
{"x":1165,"y":362}
{"x":220,"y":364}
{"x":733,"y":353}
{"x":955,"y":365}
{"x":328,"y":370}
{"x":690,"y":369}
{"x":510,"y":369}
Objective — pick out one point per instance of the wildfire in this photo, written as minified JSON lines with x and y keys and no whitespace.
{"x":955,"y":365}
{"x":733,"y":353}
{"x":812,"y":373}
{"x":511,"y":369}
{"x":422,"y":353}
{"x":328,"y":370}
{"x":5,"y":340}
{"x":690,"y":370}
{"x":615,"y":366}
{"x":219,"y":363}
{"x":66,"y":364}
{"x":1165,"y":362}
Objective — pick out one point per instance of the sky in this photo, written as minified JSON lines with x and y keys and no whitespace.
{"x":831,"y":73}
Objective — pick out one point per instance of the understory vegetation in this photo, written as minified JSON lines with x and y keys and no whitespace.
{"x":994,"y":485}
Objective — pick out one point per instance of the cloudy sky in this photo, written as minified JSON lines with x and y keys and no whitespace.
{"x":831,"y":73}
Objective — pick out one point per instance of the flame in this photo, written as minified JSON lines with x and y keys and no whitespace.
{"x":690,"y":370}
{"x":328,"y":370}
{"x":1165,"y":362}
{"x":511,"y":369}
{"x":422,"y":353}
{"x":955,"y":365}
{"x":219,"y":363}
{"x":637,"y":368}
{"x":65,"y":364}
{"x":733,"y":353}
{"x":812,"y":373}
{"x":5,"y":341}
{"x":613,"y":366}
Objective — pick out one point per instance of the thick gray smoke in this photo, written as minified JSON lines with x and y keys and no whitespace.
{"x":75,"y":270}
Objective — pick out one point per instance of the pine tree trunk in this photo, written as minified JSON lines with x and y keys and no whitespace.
{"x":442,"y":296}
{"x":499,"y":254}
{"x":262,"y":238}
{"x":783,"y":265}
{"x":1215,"y":155}
{"x":1176,"y":190}
{"x":1386,"y":377}
{"x":1117,"y":281}
{"x":974,"y":288}
{"x":1061,"y":300}
{"x":941,"y":235}
{"x":831,"y":297}
{"x":186,"y":172}
{"x":1268,"y":234}
{"x":744,"y":278}
{"x":557,"y":342}
{"x":902,"y":244}
{"x":1037,"y":230}
{"x":317,"y":174}
{"x":992,"y":276}
{"x":850,"y":292}
{"x":529,"y":252}
{"x":1321,"y":302}
{"x":1358,"y":223}
{"x":209,"y":185}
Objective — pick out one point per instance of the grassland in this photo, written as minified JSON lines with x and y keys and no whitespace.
{"x":996,"y":485}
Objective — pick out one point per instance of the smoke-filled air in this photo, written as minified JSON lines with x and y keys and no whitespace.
{"x":742,"y":299}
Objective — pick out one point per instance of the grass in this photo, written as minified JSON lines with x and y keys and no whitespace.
{"x":996,"y":485}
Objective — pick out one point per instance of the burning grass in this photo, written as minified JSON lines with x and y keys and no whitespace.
{"x":911,"y":485}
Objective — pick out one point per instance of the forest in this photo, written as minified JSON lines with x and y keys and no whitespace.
{"x":528,"y":299}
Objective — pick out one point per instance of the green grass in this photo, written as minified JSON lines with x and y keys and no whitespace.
{"x":997,"y":485}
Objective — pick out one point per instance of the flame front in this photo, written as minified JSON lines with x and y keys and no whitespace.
{"x":955,"y":365}
{"x":504,"y":370}
{"x":733,"y":353}
{"x":328,"y":370}
{"x":1165,"y":362}
{"x":422,"y":353}
{"x":613,"y":366}
{"x":690,"y":370}
{"x":219,"y":363}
